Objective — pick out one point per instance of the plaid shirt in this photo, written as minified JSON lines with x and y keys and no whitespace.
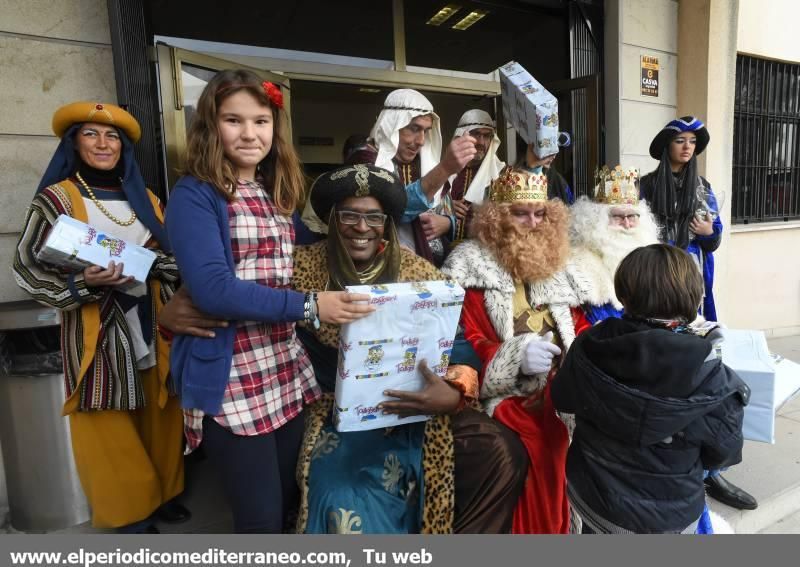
{"x":271,"y":376}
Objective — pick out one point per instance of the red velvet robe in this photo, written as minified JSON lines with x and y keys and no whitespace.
{"x":543,"y":507}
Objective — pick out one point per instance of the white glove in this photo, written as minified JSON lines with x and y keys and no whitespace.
{"x":538,"y":355}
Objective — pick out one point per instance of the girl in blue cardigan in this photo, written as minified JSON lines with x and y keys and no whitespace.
{"x":229,"y":220}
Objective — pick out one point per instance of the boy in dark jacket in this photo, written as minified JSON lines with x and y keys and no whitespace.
{"x":653,"y":404}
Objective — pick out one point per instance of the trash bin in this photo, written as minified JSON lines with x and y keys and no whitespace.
{"x":44,"y":492}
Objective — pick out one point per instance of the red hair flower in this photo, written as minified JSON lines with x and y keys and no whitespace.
{"x":273,"y":93}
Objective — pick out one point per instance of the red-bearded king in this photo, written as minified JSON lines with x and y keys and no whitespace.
{"x":518,"y":316}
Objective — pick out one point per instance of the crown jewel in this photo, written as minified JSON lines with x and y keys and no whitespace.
{"x":515,"y":185}
{"x":616,"y":186}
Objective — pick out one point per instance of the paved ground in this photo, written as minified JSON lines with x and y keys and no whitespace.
{"x":770,"y":472}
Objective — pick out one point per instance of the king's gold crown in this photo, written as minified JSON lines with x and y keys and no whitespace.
{"x":616,"y":186}
{"x":515,"y":186}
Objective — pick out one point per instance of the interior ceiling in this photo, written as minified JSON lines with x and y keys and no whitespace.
{"x":349,"y":93}
{"x":354,"y":27}
{"x":364,"y":28}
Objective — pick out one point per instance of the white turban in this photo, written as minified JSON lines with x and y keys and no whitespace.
{"x":399,"y":109}
{"x":491,"y":164}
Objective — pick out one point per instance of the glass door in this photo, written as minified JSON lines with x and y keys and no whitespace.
{"x":182,"y":77}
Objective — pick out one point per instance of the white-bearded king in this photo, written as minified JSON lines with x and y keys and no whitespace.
{"x":518,"y":317}
{"x":602,"y":232}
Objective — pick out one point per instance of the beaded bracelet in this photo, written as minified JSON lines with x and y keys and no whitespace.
{"x":311,"y":309}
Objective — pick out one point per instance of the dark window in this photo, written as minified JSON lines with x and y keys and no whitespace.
{"x":766,"y":141}
{"x":358,"y":28}
{"x":533,"y":33}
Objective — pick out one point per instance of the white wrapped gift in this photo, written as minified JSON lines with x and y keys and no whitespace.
{"x":747,"y":354}
{"x":787,"y":381}
{"x":75,"y":245}
{"x":413,"y":322}
{"x":530,"y":108}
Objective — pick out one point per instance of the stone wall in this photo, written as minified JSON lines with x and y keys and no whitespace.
{"x":51,"y":53}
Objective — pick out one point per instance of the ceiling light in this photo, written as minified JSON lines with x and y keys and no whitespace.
{"x":443,"y":15}
{"x":470,"y":19}
{"x":368,"y":90}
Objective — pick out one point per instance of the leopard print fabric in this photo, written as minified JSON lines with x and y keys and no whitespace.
{"x":438,"y":459}
{"x":438,"y":470}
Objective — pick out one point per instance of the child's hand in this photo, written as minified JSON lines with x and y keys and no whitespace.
{"x":339,"y":307}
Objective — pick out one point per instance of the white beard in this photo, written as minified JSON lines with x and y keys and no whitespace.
{"x":618,"y":243}
{"x":598,"y":248}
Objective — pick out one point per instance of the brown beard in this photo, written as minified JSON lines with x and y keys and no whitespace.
{"x":529,"y":255}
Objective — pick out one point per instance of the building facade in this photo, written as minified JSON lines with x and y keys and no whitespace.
{"x":620,"y":68}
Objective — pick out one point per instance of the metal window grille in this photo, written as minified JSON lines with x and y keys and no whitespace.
{"x":585,"y":59}
{"x":766,"y":141}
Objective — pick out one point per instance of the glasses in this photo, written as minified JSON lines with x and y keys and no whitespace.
{"x":631,"y":217}
{"x":352,"y":217}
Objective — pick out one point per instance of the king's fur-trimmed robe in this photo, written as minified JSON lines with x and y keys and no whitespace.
{"x":488,"y":322}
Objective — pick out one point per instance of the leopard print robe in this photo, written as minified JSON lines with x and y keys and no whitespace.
{"x":438,"y":462}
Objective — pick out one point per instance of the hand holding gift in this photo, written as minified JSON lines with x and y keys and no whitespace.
{"x":340,"y":307}
{"x":436,"y":398}
{"x":96,"y":276}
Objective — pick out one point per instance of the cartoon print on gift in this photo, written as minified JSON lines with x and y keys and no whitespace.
{"x":444,"y":362}
{"x":529,"y":89}
{"x":374,"y":357}
{"x":551,"y":120}
{"x":421,"y":290}
{"x":378,"y":289}
{"x":409,"y":360}
{"x":456,"y":294}
{"x":115,"y":246}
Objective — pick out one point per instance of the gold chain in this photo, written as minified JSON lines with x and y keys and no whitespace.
{"x":100,"y":206}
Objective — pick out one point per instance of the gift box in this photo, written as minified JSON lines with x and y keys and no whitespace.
{"x":747,"y":354}
{"x":787,"y":381}
{"x":74,"y":245}
{"x":413,"y":322}
{"x":530,"y":108}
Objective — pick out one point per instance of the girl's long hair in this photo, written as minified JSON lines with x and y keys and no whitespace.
{"x":280,"y":170}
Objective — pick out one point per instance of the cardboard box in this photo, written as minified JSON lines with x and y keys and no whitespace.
{"x":74,"y":245}
{"x":413,"y":322}
{"x":747,"y":354}
{"x":530,"y":108}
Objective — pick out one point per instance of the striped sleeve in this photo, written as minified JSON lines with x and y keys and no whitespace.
{"x":165,"y":268}
{"x":46,"y":283}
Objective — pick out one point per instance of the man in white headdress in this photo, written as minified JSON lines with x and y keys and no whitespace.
{"x":470,"y":184}
{"x":408,"y":137}
{"x":603,"y":231}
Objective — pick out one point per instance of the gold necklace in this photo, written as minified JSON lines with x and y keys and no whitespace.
{"x":100,"y":206}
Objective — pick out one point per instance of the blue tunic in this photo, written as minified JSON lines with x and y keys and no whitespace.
{"x":366,"y":481}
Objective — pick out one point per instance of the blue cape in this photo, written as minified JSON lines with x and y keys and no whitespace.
{"x":64,"y":163}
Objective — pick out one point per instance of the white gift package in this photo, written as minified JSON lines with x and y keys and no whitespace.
{"x":747,"y":354}
{"x":413,"y":322}
{"x":787,"y":381}
{"x":75,"y":245}
{"x":530,"y":108}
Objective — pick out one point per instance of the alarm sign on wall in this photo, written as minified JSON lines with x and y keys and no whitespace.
{"x":649,"y":76}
